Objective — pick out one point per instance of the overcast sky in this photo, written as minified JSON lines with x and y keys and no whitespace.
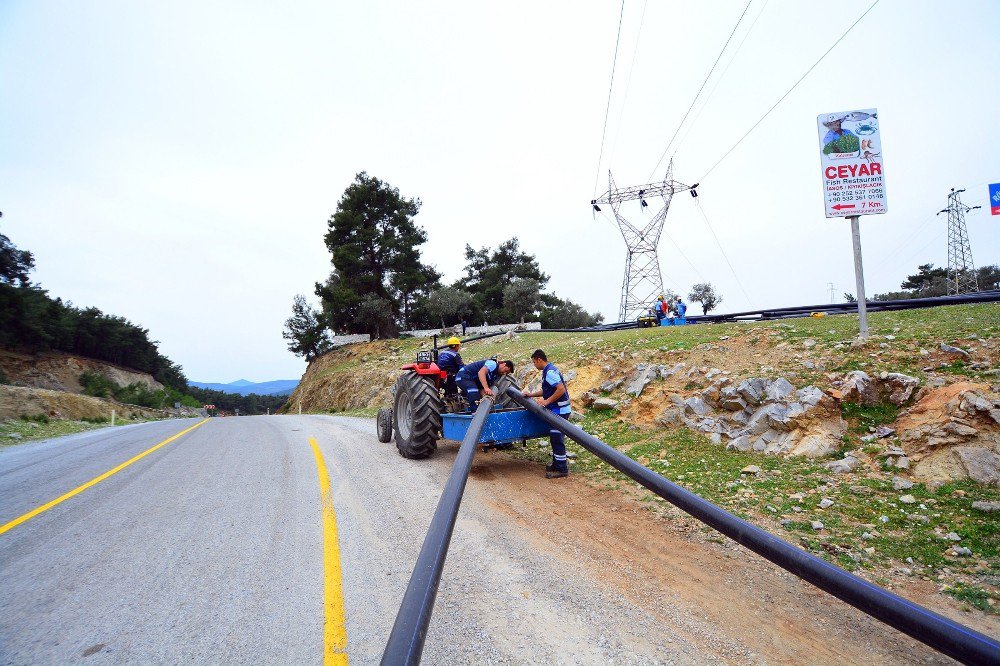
{"x":176,"y":162}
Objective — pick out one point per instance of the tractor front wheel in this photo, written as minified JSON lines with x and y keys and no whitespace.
{"x":416,"y":415}
{"x":383,"y":424}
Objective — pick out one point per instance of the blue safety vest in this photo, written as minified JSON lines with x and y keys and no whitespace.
{"x":562,"y":405}
{"x":450,"y":361}
{"x":471,"y":371}
{"x":681,"y":308}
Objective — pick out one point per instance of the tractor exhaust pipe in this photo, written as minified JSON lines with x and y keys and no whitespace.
{"x":406,"y":642}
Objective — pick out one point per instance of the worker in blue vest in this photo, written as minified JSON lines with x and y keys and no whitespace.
{"x":681,"y":309}
{"x":478,"y":377}
{"x":554,"y":397}
{"x":450,"y":361}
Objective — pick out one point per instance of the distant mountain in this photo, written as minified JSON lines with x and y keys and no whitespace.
{"x":243,"y":387}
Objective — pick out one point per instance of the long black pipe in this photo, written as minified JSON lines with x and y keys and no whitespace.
{"x":406,"y":642}
{"x":804,"y":311}
{"x":951,"y":638}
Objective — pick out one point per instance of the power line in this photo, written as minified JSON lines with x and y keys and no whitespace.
{"x":628,"y":82}
{"x":614,"y":63}
{"x":782,"y":98}
{"x":698,"y":94}
{"x":724,"y":255}
{"x":718,"y":80}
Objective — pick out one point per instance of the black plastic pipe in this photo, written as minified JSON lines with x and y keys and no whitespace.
{"x":951,"y":638}
{"x":406,"y":642}
{"x":805,"y":311}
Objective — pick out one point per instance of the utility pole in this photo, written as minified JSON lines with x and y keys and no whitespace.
{"x":829,"y":286}
{"x":961,"y":269}
{"x":642,"y":282}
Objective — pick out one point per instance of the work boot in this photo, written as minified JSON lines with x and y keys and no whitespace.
{"x":557,"y":474}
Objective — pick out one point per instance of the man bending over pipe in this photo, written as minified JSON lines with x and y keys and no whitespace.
{"x":554,"y":397}
{"x":479,"y":376}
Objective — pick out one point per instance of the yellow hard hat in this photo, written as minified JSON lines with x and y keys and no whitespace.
{"x":454,"y":341}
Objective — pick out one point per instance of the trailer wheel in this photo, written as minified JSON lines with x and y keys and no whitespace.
{"x":416,"y":415}
{"x":503,"y":401}
{"x":383,"y":425}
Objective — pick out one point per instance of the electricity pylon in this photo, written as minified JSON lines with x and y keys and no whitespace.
{"x":961,"y":268}
{"x":642,"y":282}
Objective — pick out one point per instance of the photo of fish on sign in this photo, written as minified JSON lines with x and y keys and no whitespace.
{"x":851,"y":162}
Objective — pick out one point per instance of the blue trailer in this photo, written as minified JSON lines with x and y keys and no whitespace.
{"x":504,"y":426}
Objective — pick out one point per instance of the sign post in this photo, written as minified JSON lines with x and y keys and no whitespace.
{"x":853,"y":180}
{"x":859,"y":278}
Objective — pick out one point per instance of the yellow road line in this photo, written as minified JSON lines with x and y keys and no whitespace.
{"x":93,"y":482}
{"x":334,"y":627}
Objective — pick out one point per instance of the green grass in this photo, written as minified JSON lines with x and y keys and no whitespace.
{"x":975,"y":596}
{"x":32,"y":428}
{"x":863,"y":417}
{"x":859,"y":506}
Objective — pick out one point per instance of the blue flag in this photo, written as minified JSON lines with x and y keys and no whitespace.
{"x":995,"y":198}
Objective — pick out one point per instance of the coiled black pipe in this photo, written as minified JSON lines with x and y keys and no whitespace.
{"x":951,"y":638}
{"x":406,"y":642}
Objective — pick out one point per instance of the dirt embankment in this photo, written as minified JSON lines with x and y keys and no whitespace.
{"x":58,"y":371}
{"x":18,"y":401}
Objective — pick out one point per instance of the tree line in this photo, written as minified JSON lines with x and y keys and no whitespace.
{"x":380,"y":285}
{"x":32,"y":320}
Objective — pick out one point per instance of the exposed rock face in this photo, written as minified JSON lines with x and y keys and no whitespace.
{"x":761,"y":415}
{"x":894,"y":387}
{"x":953,"y":432}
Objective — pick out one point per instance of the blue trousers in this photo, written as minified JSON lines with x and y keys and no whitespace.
{"x":558,"y":442}
{"x":470,"y":389}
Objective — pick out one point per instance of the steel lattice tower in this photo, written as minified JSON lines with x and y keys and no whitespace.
{"x":961,"y":269}
{"x":643,"y":281}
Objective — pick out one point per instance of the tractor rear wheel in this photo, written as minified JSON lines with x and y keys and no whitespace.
{"x":383,"y":424}
{"x":416,"y":415}
{"x":503,"y":401}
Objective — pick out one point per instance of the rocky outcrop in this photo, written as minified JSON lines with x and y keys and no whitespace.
{"x":953,"y":432}
{"x":894,"y":387}
{"x":767,"y":416}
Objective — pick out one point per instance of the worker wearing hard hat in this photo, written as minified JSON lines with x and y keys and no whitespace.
{"x":661,"y":307}
{"x":450,"y":361}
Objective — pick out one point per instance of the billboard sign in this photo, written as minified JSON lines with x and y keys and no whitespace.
{"x":995,"y":198}
{"x":851,"y":163}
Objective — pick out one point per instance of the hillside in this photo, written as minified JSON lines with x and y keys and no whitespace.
{"x":892,"y":473}
{"x":244,"y":387}
{"x":59,"y":371}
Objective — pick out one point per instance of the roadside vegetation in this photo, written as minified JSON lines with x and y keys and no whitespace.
{"x":39,"y":426}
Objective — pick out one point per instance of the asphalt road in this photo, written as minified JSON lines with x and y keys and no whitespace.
{"x":210,"y":549}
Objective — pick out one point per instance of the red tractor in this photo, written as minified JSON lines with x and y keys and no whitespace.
{"x":419,"y":400}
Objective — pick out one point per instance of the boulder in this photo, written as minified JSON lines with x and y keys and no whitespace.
{"x":730,"y":399}
{"x":752,"y":390}
{"x":981,"y":464}
{"x":987,"y":507}
{"x":900,"y":388}
{"x":810,"y":395}
{"x":610,"y":385}
{"x":605,"y":404}
{"x":844,"y":465}
{"x":858,"y":387}
{"x":778,"y":390}
{"x":588,"y":398}
{"x":696,"y":405}
{"x":957,"y":351}
{"x":640,"y":379}
{"x":741,"y":443}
